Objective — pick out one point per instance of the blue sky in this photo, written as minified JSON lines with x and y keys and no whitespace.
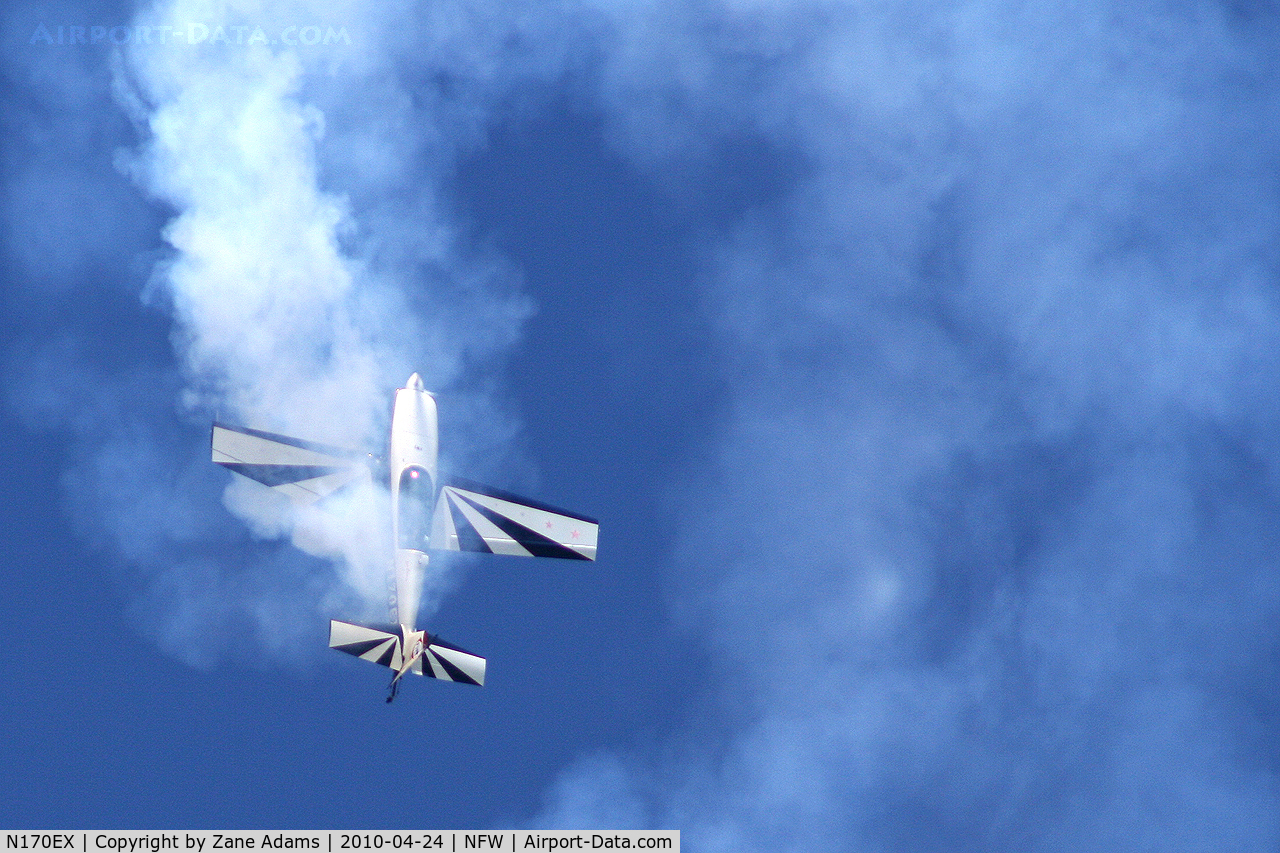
{"x":919,"y":361}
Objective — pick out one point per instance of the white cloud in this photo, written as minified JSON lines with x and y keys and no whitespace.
{"x":954,"y":550}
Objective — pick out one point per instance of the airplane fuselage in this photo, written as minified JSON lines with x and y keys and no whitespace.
{"x":426,"y":515}
{"x":414,"y":449}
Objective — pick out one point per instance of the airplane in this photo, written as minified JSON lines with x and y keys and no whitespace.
{"x":427,"y":514}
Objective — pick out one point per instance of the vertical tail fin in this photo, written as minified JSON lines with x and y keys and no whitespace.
{"x":386,"y":645}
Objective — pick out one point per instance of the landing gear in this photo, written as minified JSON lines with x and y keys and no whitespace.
{"x":395,"y":688}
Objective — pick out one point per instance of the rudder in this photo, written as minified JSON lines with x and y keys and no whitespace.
{"x":385,"y":645}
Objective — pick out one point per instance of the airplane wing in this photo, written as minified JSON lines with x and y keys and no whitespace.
{"x":472,"y":517}
{"x":303,"y":470}
{"x":384,"y":645}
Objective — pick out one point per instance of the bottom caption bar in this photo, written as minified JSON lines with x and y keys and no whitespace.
{"x":336,"y":841}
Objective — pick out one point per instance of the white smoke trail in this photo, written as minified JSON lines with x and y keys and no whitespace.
{"x":290,"y":313}
{"x":263,"y":296}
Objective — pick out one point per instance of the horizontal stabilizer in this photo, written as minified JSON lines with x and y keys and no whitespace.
{"x":385,"y":645}
{"x":472,"y":517}
{"x":303,"y":470}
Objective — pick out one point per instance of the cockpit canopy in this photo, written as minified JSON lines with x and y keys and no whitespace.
{"x":416,"y":494}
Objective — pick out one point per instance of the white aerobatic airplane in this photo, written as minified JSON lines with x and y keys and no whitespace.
{"x":454,"y":515}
